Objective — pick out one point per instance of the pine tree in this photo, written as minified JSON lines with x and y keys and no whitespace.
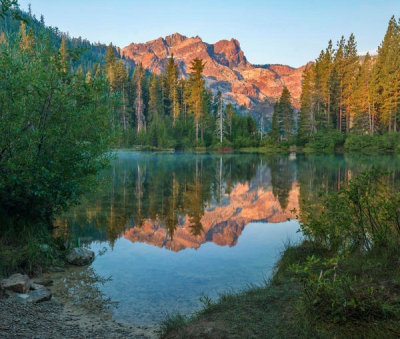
{"x":196,"y":90}
{"x":387,"y":82}
{"x":63,"y":54}
{"x":229,"y":118}
{"x":172,"y":74}
{"x":350,"y":70}
{"x":364,"y":118}
{"x":27,"y":38}
{"x":337,"y":84}
{"x":286,"y":114}
{"x":275,"y":131}
{"x":306,"y":125}
{"x":220,"y":117}
{"x":139,"y":76}
{"x":110,"y":65}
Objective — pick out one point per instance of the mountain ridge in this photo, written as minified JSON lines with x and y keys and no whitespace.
{"x":227,"y":68}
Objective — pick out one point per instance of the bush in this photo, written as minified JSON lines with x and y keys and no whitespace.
{"x":55,"y":133}
{"x":326,"y":140}
{"x":362,"y":215}
{"x":375,"y":143}
{"x":332,"y":295}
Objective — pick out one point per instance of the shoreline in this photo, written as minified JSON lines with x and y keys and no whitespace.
{"x":74,"y":311}
{"x":276,"y":309}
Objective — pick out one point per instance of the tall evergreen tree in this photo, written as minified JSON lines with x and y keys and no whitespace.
{"x":306,"y":124}
{"x":220,"y":117}
{"x":196,"y":90}
{"x":286,"y":114}
{"x":172,"y":74}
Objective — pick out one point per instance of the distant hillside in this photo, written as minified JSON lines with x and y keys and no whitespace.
{"x":92,"y":53}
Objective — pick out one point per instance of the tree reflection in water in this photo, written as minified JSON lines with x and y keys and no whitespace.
{"x":182,"y":200}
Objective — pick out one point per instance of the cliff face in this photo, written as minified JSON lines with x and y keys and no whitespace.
{"x":222,"y":225}
{"x":226,"y":69}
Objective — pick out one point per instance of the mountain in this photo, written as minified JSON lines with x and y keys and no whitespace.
{"x":226,"y":69}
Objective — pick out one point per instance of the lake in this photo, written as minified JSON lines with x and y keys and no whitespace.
{"x":170,"y":229}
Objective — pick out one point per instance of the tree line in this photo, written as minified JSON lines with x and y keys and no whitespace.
{"x":344,"y":94}
{"x":167,"y":110}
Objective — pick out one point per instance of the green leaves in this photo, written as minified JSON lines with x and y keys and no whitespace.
{"x":363,"y":215}
{"x":55,"y":129}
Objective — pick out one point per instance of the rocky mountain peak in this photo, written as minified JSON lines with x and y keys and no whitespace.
{"x":227,"y":69}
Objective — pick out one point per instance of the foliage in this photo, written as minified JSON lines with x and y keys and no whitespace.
{"x":55,"y":131}
{"x":363,"y":215}
{"x":374,"y":143}
{"x":325,"y":140}
{"x":333,"y":295}
{"x":357,"y":95}
{"x":172,"y":322}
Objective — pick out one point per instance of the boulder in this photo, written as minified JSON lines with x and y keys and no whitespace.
{"x":80,"y":256}
{"x":17,"y":282}
{"x":35,"y":296}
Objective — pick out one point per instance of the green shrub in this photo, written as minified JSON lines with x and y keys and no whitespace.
{"x":55,"y":133}
{"x":326,"y":140}
{"x":332,"y":295}
{"x":364,"y":214}
{"x":375,"y":143}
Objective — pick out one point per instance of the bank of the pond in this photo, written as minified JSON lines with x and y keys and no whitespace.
{"x":276,"y":310}
{"x":77,"y":309}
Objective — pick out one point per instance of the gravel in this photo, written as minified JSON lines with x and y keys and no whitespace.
{"x":51,"y":319}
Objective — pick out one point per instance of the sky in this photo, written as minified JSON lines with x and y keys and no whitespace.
{"x":290,"y":32}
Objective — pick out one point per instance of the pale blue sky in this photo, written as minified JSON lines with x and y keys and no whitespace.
{"x":269,"y":31}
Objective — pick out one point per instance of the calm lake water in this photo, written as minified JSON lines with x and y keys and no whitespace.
{"x":170,"y":228}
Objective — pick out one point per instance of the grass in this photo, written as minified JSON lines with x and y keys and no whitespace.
{"x":30,"y":251}
{"x":276,"y":310}
{"x":264,"y":150}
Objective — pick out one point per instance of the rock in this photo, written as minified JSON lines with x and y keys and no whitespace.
{"x":35,"y":286}
{"x":17,"y":282}
{"x":226,"y":70}
{"x":36,"y":296}
{"x":44,"y":282}
{"x":80,"y":256}
{"x":42,"y":294}
{"x":22,"y":296}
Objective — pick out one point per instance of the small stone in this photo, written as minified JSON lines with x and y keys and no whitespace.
{"x":17,"y":282}
{"x":22,"y":296}
{"x":35,"y":286}
{"x":80,"y":256}
{"x":39,"y":295}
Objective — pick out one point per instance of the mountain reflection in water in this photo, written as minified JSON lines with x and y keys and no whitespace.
{"x":183,"y":200}
{"x":173,"y":227}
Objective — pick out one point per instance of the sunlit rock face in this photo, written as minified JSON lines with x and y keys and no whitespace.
{"x":221,"y":224}
{"x":226,"y":69}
